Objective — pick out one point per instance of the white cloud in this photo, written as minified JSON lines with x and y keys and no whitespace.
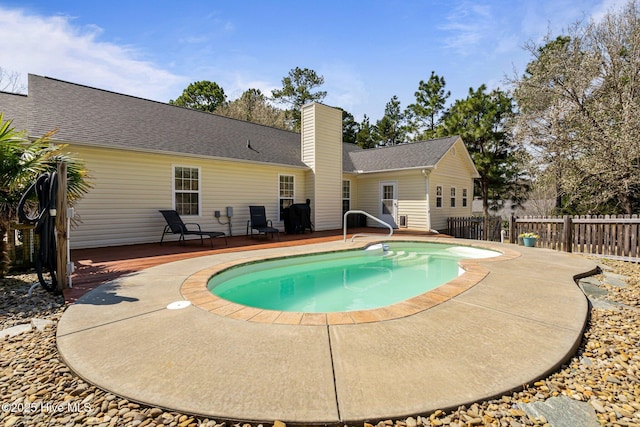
{"x":467,"y":26}
{"x":54,"y":47}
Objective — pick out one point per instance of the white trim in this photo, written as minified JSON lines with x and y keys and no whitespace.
{"x":173,"y":187}
{"x":412,"y":168}
{"x":453,"y":196}
{"x":428,"y":200}
{"x":350,"y":192}
{"x":394,"y":213}
{"x":439,"y":196}
{"x":293,"y":197}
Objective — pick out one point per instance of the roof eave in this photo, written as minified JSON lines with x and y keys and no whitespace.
{"x":175,"y":153}
{"x":362,"y":172}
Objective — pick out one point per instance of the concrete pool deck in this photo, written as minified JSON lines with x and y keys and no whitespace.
{"x":520,"y":322}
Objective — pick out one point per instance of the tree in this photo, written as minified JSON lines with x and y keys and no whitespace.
{"x":202,"y":95}
{"x":578,"y":102}
{"x":391,"y":128}
{"x":542,"y":197}
{"x":297,"y":91}
{"x":21,"y":162}
{"x":253,"y":106}
{"x":365,"y":136}
{"x":425,"y":114}
{"x":480,"y":120}
{"x":350,"y":128}
{"x":10,"y":81}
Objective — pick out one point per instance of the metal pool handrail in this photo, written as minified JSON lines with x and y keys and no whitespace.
{"x":344,"y":238}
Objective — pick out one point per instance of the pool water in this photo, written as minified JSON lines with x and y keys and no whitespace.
{"x":377,"y":276}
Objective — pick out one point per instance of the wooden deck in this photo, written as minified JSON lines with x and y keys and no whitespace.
{"x":100,"y":265}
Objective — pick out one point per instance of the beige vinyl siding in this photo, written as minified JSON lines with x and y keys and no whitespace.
{"x":130,"y":188}
{"x":306,"y":187}
{"x":451,"y":171}
{"x":307,"y":136}
{"x":368,"y":195}
{"x":324,"y":133}
{"x":328,"y":177}
{"x":411,"y":189}
{"x":354,"y":190}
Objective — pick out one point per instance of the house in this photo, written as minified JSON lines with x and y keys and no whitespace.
{"x":144,"y":156}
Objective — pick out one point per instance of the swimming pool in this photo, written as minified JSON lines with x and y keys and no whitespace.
{"x":378,"y":276}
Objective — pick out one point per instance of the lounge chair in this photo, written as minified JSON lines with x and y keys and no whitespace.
{"x":258,"y":221}
{"x":176,"y":226}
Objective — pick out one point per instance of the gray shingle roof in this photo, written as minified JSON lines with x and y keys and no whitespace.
{"x":15,"y":108}
{"x":347,"y":162}
{"x":404,"y":156}
{"x":98,"y":117}
{"x":86,"y":115}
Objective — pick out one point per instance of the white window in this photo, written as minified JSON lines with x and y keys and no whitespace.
{"x":464,"y":197}
{"x":286,"y":193}
{"x":346,"y":196}
{"x":186,"y":190}
{"x":453,"y":197}
{"x":438,"y":196}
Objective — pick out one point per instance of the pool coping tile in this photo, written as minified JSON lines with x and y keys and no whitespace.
{"x":363,"y":360}
{"x":289,"y":318}
{"x":194,"y":289}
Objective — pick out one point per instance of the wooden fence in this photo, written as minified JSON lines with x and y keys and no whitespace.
{"x":611,"y":236}
{"x":474,"y":228}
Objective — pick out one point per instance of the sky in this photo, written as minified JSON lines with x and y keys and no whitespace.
{"x":367,"y":51}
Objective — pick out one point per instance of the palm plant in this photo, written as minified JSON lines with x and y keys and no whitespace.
{"x":21,"y":162}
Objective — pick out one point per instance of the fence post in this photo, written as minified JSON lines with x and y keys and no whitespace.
{"x":567,"y":239}
{"x":61,"y":227}
{"x":512,"y":230}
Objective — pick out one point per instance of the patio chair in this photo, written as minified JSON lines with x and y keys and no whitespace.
{"x":258,"y":221}
{"x":176,"y":226}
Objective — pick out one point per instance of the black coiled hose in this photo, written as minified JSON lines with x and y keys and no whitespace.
{"x":45,"y":189}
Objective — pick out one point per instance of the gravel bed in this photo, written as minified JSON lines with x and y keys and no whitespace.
{"x":600,"y":385}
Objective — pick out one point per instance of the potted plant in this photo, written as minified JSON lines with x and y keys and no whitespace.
{"x":529,"y":239}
